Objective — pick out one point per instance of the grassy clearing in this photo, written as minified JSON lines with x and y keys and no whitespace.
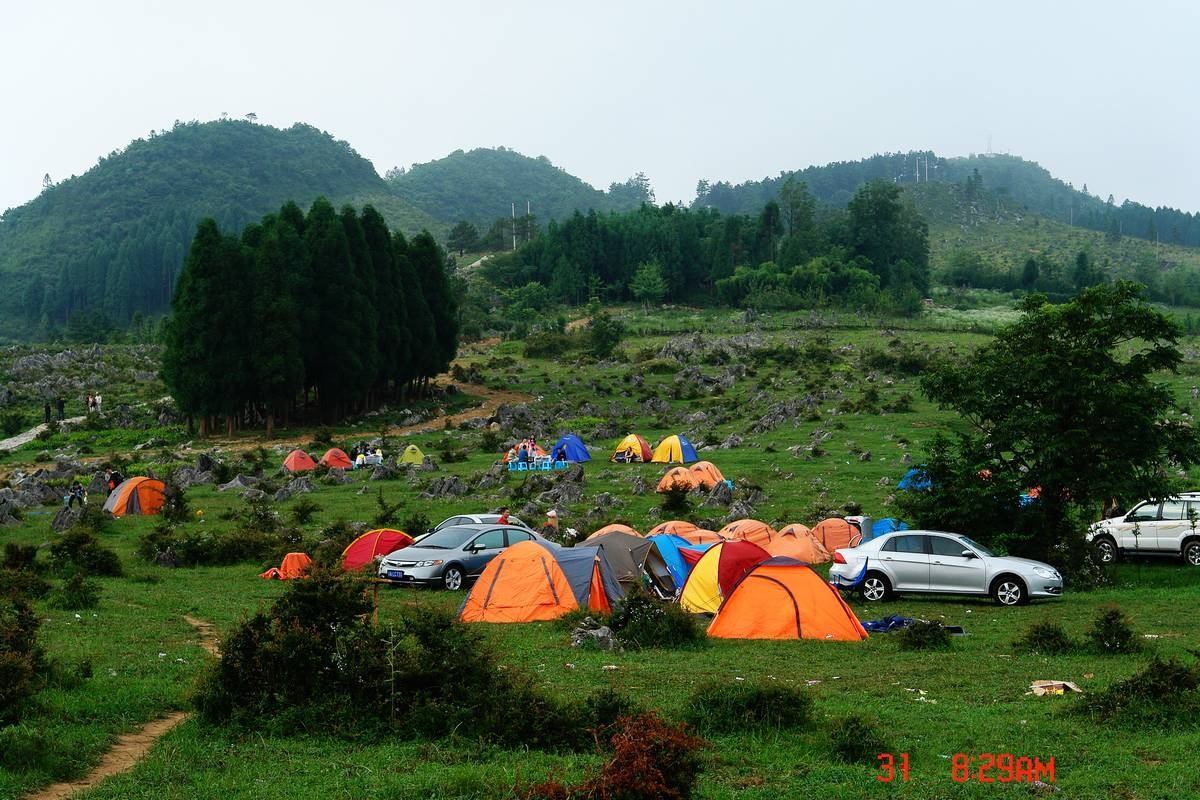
{"x":968,"y":699}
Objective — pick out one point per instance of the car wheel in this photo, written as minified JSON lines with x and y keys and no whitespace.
{"x":1191,"y":553}
{"x":1009,"y":591}
{"x":876,"y":587}
{"x":1106,"y":550}
{"x":452,"y":578}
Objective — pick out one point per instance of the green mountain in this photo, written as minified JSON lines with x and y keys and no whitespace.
{"x":480,"y":186}
{"x":113,"y":239}
{"x":1026,"y":184}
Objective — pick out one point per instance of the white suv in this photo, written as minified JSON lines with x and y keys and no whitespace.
{"x":1168,"y":527}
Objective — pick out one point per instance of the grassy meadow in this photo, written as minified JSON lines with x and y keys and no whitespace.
{"x":857,"y":412}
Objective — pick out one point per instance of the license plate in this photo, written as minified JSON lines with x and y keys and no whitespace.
{"x":395,"y":574}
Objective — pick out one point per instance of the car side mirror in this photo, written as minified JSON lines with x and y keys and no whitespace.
{"x":967,"y":554}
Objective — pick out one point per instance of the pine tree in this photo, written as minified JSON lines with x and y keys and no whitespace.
{"x":421,"y":362}
{"x":336,"y":363}
{"x":429,"y":262}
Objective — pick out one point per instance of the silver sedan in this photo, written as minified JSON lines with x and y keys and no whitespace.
{"x":940,"y":563}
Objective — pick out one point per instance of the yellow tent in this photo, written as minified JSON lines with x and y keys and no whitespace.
{"x":674,"y":449}
{"x":715,"y":574}
{"x":412,"y":455}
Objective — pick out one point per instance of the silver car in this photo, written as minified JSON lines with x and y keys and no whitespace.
{"x":467,"y":519}
{"x":454,"y":555}
{"x":941,"y":563}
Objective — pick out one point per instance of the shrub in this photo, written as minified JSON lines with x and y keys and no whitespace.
{"x":675,"y":502}
{"x":857,"y":740}
{"x":651,"y":760}
{"x":303,"y":510}
{"x":196,"y":546}
{"x":76,"y":592}
{"x":489,"y":440}
{"x":1047,"y":639}
{"x":22,"y":661}
{"x":332,"y":542}
{"x":924,"y":635}
{"x":22,"y":583}
{"x":79,"y":549}
{"x":724,"y":708}
{"x":639,"y":620}
{"x":549,"y":344}
{"x":416,"y":524}
{"x":12,"y":423}
{"x":452,"y":455}
{"x":21,"y":557}
{"x":1165,"y":693}
{"x":1111,"y":633}
{"x":175,"y":507}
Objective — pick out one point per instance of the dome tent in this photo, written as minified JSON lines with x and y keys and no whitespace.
{"x":677,"y":478}
{"x":674,"y":449}
{"x":638,"y":447}
{"x":750,"y":530}
{"x":140,"y":495}
{"x":570,"y":447}
{"x":412,"y":455}
{"x":835,"y":532}
{"x":363,"y":550}
{"x":613,"y":527}
{"x":299,"y":461}
{"x":669,"y":562}
{"x":336,"y":458}
{"x":715,"y":574}
{"x":706,"y":474}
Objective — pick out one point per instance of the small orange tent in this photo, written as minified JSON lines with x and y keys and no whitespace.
{"x":795,"y":529}
{"x":802,"y":548}
{"x":784,"y":599}
{"x":706,"y":474}
{"x":299,"y":461}
{"x":294,"y":565}
{"x":363,"y":550}
{"x":530,"y":582}
{"x":677,"y":477}
{"x":676,"y":526}
{"x":836,"y":532}
{"x":336,"y":459}
{"x":749,"y":529}
{"x":138,"y":495}
{"x":616,"y":526}
{"x":701,"y":536}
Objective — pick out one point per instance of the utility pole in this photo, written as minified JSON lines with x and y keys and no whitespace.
{"x":514,"y":225}
{"x":927,"y":168}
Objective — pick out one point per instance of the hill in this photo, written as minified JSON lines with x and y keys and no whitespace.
{"x":479,"y":186}
{"x":113,"y":239}
{"x":1027,"y":184}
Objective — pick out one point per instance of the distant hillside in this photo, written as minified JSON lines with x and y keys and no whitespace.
{"x":1027,"y":184}
{"x":480,"y":186}
{"x":114,"y":238}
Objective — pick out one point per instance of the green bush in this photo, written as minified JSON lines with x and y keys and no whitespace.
{"x":12,"y":423}
{"x":192,"y":546}
{"x":303,"y":510}
{"x":726,"y":708}
{"x":80,"y":550}
{"x":77,"y":592}
{"x":924,"y":635}
{"x":675,"y":502}
{"x":856,"y":740}
{"x":640,"y":621}
{"x":21,"y":557}
{"x":549,"y":344}
{"x":22,"y":660}
{"x":1111,"y":634}
{"x":175,"y":507}
{"x":1164,"y":694}
{"x":1047,"y":639}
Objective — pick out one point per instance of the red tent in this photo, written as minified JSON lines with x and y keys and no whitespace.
{"x":335,"y":458}
{"x":299,"y":461}
{"x":363,"y":550}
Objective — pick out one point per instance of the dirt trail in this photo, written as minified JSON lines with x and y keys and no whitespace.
{"x":31,"y":434}
{"x":132,"y":747}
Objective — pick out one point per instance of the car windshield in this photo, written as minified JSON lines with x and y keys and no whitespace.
{"x":976,"y":546}
{"x":447,"y":538}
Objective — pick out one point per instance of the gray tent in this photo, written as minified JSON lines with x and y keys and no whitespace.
{"x":625,"y":553}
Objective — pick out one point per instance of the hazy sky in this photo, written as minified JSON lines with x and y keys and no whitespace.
{"x":1101,"y":93}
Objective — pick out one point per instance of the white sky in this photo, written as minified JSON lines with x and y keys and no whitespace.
{"x":1101,"y":93}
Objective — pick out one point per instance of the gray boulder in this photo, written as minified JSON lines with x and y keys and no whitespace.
{"x":427,"y":465}
{"x":721,"y":495}
{"x":445,"y":486}
{"x":65,"y":518}
{"x":593,"y":635}
{"x":337,"y":477}
{"x":252,"y":495}
{"x":383,"y":473}
{"x":240,"y":482}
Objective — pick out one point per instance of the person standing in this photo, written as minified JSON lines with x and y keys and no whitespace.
{"x":550,"y":526}
{"x":46,"y":412}
{"x":98,"y":401}
{"x":62,"y":408}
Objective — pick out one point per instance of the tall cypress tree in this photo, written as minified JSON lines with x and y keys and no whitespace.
{"x":422,"y":361}
{"x":335,"y":360}
{"x":275,"y":355}
{"x":429,"y":262}
{"x":362,"y":288}
{"x":390,"y":304}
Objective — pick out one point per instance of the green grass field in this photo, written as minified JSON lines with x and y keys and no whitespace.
{"x":970,"y":700}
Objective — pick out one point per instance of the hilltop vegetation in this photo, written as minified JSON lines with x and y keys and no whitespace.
{"x":112,"y":241}
{"x":479,"y":186}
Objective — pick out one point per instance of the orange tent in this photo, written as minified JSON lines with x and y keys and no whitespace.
{"x":795,"y":529}
{"x":616,"y":526}
{"x":363,"y":550}
{"x":836,"y":532}
{"x":749,"y":529}
{"x":676,"y":526}
{"x":706,"y":474}
{"x":528,"y":582}
{"x":138,"y":495}
{"x":680,"y":477}
{"x":336,"y":459}
{"x":701,"y":536}
{"x":784,"y":599}
{"x":294,"y":565}
{"x":802,"y":548}
{"x":299,"y":461}
{"x":537,"y":451}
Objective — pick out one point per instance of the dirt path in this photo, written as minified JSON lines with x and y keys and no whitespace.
{"x":31,"y":434}
{"x":132,"y":747}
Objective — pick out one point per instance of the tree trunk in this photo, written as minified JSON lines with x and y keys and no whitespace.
{"x":270,"y":421}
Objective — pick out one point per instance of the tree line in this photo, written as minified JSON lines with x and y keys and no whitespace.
{"x":792,"y":254}
{"x":330,"y":311}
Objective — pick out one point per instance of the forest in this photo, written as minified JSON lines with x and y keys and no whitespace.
{"x":791,"y":254}
{"x":326,"y":313}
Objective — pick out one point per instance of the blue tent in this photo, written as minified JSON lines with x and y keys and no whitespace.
{"x":665,"y":564}
{"x":886,"y":525}
{"x":570,"y":447}
{"x":915,"y":480}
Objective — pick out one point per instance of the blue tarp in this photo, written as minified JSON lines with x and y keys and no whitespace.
{"x":668,"y":546}
{"x":570,"y":448}
{"x":888,"y":624}
{"x":915,"y":480}
{"x":886,"y":525}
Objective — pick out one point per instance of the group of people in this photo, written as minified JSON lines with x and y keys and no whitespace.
{"x":523,"y":451}
{"x":94,"y":402}
{"x":362,"y":456}
{"x":61,"y":404}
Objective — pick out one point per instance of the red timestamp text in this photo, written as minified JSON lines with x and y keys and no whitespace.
{"x":1000,"y":768}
